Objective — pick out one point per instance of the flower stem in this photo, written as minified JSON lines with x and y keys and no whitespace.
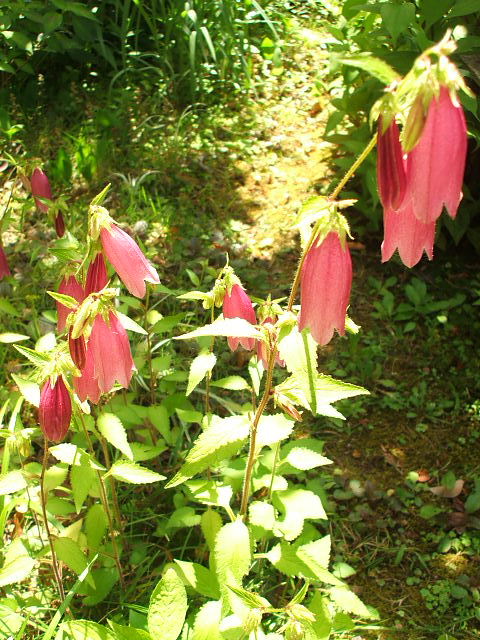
{"x":149,"y":349}
{"x":332,"y":196}
{"x":113,"y":488}
{"x":252,"y":453}
{"x":43,"y":500}
{"x":106,"y":506}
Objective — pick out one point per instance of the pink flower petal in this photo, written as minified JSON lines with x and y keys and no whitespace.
{"x":437,"y":162}
{"x":391,"y":177}
{"x":239,"y":305}
{"x":112,"y":358}
{"x":128,"y":260}
{"x":325,"y":289}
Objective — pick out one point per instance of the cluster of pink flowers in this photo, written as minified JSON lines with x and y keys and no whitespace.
{"x":103,"y":357}
{"x":415,"y":187}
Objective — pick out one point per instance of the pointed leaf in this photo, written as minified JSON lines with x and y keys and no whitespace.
{"x":133,"y":473}
{"x":227,"y":327}
{"x":201,"y":365}
{"x":112,"y":429}
{"x":29,"y":390}
{"x":81,"y":477}
{"x":17,"y":564}
{"x":86,"y":629}
{"x":207,"y":622}
{"x":296,"y":505}
{"x":316,"y":556}
{"x":168,"y":607}
{"x":349,"y":602}
{"x":199,"y":578}
{"x":232,"y":557}
{"x":221,"y":439}
{"x":70,"y":553}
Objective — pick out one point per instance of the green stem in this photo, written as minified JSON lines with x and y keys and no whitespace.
{"x":113,"y":488}
{"x":43,"y":500}
{"x":106,"y":506}
{"x":252,"y":452}
{"x":149,"y":350}
{"x":209,"y":373}
{"x":332,"y":196}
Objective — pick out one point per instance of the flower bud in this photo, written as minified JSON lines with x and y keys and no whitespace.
{"x":40,"y":187}
{"x":70,"y":287}
{"x":60,"y":225}
{"x":4,"y":268}
{"x":55,"y":410}
{"x":391,"y":177}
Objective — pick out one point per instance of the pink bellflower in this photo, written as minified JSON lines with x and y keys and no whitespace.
{"x":128,"y":260}
{"x":55,"y":410}
{"x":4,"y":268}
{"x":239,"y":305}
{"x":70,"y":287}
{"x":437,"y":162}
{"x":86,"y":385}
{"x":391,"y":176}
{"x":112,"y":358}
{"x":326,"y":281}
{"x":405,"y":232}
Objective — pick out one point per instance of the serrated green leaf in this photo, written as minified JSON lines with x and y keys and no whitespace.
{"x":316,"y":556}
{"x":199,"y":578}
{"x":374,"y":66}
{"x":261,"y":514}
{"x":123,"y":632}
{"x":167,"y":608}
{"x":12,"y":482}
{"x":349,"y":602}
{"x":86,"y":630}
{"x":82,"y":477}
{"x":232,"y":558}
{"x":211,"y":523}
{"x":201,"y":365}
{"x":112,"y":429}
{"x":299,"y":352}
{"x":283,"y":556}
{"x":226,"y":327}
{"x":296,"y":505}
{"x":304,"y":458}
{"x":272,"y":429}
{"x":54,"y":477}
{"x":8,"y":338}
{"x":17,"y":564}
{"x":7,"y":307}
{"x":322,"y":626}
{"x":221,"y":439}
{"x":133,"y":473}
{"x":37,"y":358}
{"x":207,"y":622}
{"x":95,"y":525}
{"x":69,"y":552}
{"x":71,"y":454}
{"x":29,"y":390}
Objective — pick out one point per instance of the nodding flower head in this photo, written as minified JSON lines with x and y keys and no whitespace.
{"x":127,"y":259}
{"x":4,"y":268}
{"x":326,"y":280}
{"x":55,"y":410}
{"x":40,"y":187}
{"x":391,"y":176}
{"x":237,"y":304}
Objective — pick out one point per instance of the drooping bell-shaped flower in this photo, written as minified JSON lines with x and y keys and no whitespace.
{"x":437,"y":162}
{"x":40,"y":187}
{"x":237,"y":304}
{"x":86,"y":385}
{"x":263,"y":352}
{"x":112,"y":358}
{"x":391,"y":176}
{"x":97,"y":277}
{"x":70,"y":287}
{"x":405,"y":232}
{"x":326,"y":281}
{"x":128,"y":260}
{"x":55,"y":410}
{"x":4,"y":268}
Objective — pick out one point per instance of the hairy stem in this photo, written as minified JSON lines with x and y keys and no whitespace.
{"x":43,"y":500}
